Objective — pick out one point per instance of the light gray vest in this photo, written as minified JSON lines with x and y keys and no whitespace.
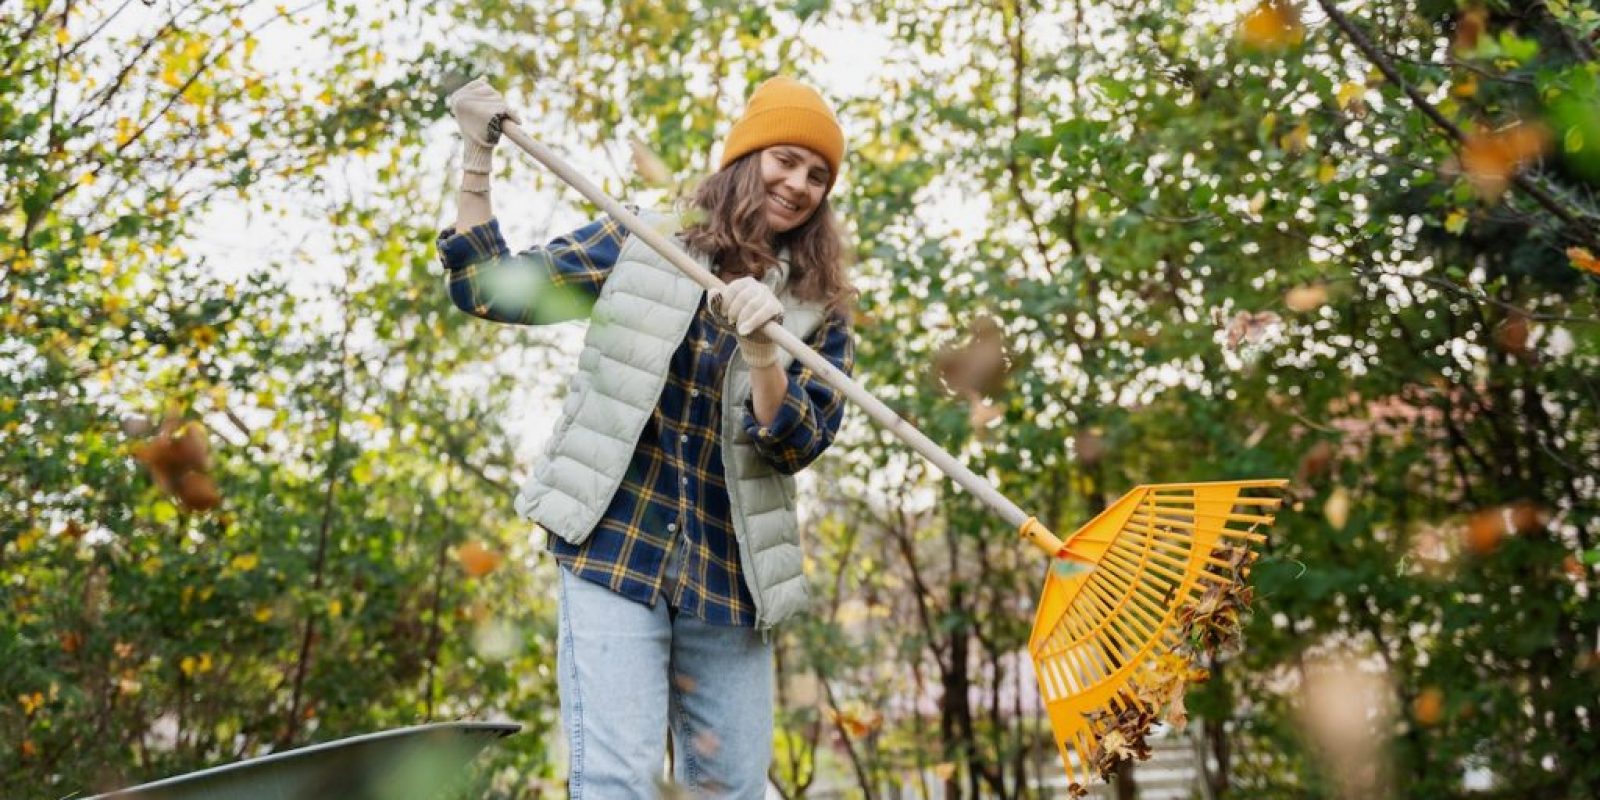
{"x":640,"y":318}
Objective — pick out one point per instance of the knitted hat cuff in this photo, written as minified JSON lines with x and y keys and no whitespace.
{"x":805,"y":127}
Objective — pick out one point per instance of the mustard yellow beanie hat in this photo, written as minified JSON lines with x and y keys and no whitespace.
{"x":786,"y":111}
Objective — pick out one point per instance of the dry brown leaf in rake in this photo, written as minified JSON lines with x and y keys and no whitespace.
{"x":1211,"y":626}
{"x":1208,"y":626}
{"x":1123,"y":738}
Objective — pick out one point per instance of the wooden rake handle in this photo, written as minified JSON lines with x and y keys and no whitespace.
{"x":1028,"y":527}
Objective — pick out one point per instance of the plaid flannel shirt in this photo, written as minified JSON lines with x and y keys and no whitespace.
{"x":674,"y":494}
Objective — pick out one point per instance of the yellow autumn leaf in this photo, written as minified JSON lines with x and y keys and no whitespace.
{"x":1337,"y":509}
{"x":1349,"y":92}
{"x":1258,"y":202}
{"x":1490,"y":159}
{"x":1294,"y":141}
{"x":1465,"y":88}
{"x":1327,"y":172}
{"x":335,"y":608}
{"x":245,"y":562}
{"x":28,"y":539}
{"x":263,"y":613}
{"x":1456,"y":221}
{"x":944,"y":770}
{"x":477,"y":560}
{"x":1272,"y":25}
{"x":62,"y":37}
{"x":30,"y":702}
{"x":1306,"y":298}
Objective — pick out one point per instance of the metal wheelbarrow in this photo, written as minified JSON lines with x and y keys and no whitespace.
{"x":423,"y":762}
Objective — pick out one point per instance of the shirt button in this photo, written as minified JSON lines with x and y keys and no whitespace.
{"x":683,"y":437}
{"x":685,"y":480}
{"x":694,"y":392}
{"x":672,"y":527}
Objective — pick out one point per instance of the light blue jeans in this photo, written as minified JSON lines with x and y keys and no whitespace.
{"x":627,"y":671}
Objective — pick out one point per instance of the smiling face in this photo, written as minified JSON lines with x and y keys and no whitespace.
{"x":796,"y":180}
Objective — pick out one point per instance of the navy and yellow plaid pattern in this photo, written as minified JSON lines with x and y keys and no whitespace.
{"x":673,"y":494}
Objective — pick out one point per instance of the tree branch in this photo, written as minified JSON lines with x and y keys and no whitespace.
{"x":1578,"y":229}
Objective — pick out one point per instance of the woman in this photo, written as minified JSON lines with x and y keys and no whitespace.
{"x":667,"y":482}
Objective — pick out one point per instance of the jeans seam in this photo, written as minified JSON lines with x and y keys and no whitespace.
{"x":574,"y":736}
{"x":691,"y":767}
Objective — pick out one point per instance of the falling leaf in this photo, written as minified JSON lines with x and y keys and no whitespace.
{"x":650,"y":167}
{"x":984,"y":414}
{"x":1485,"y":529}
{"x":857,"y":720}
{"x":1428,"y":707}
{"x":1337,"y":509}
{"x":979,"y":365}
{"x":1346,"y":710}
{"x":1512,"y":335}
{"x":1490,"y":159}
{"x":1526,"y":518}
{"x":198,"y":492}
{"x":1272,"y":25}
{"x":1306,"y":298}
{"x":1469,"y":28}
{"x":1584,"y":260}
{"x":477,"y":560}
{"x":1246,"y":327}
{"x":1089,"y":446}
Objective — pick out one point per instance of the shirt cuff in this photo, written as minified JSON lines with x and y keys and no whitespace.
{"x":783,"y":424}
{"x":478,"y":243}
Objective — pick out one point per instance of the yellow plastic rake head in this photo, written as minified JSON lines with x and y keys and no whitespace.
{"x":1099,"y":631}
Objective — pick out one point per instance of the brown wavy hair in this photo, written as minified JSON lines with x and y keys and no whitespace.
{"x":730,"y":228}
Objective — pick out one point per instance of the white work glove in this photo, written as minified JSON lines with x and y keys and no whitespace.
{"x":479,"y":111}
{"x":748,"y":304}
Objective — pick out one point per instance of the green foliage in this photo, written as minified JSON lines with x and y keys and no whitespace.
{"x":1295,"y":243}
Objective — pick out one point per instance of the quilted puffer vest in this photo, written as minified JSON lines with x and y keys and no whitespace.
{"x":640,"y":318}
